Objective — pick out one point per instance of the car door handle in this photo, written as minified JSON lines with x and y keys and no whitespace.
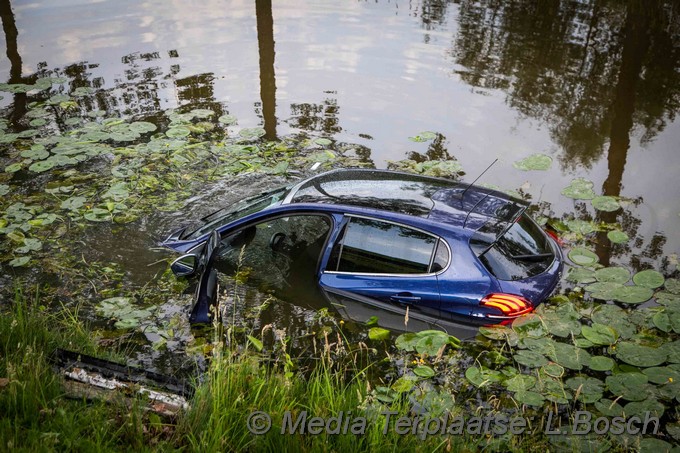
{"x":405,"y":297}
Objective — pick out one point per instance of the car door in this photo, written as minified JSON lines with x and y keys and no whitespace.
{"x":387,"y":261}
{"x":279,"y":254}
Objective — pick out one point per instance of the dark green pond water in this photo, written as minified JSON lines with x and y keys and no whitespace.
{"x":594,"y":85}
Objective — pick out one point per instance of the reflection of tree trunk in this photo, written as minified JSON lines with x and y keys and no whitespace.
{"x":11,"y":34}
{"x":265,"y":41}
{"x":635,"y":46}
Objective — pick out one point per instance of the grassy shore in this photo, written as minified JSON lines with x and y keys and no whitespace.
{"x":36,"y":415}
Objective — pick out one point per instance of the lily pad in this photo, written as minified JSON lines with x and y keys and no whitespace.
{"x":580,"y":226}
{"x":617,"y":237}
{"x":530,"y":359}
{"x":553,"y":370}
{"x":583,"y":343}
{"x":569,"y":356}
{"x":406,"y":341}
{"x":605,"y":203}
{"x":615,"y":317}
{"x":562,"y":321}
{"x":579,"y":189}
{"x":600,"y":334}
{"x":178,"y":132}
{"x":612,"y":274}
{"x":21,"y":261}
{"x":42,"y":166}
{"x":98,"y":215}
{"x":662,"y":375}
{"x":662,"y":322}
{"x":640,"y":356}
{"x":649,"y":279}
{"x":35,"y":154}
{"x":630,"y":386}
{"x":13,"y":168}
{"x":553,"y":390}
{"x":323,"y":156}
{"x":4,"y":190}
{"x":673,"y":286}
{"x":520,"y":382}
{"x":483,"y":376}
{"x":431,"y":342}
{"x":127,"y":315}
{"x":142,"y":127}
{"x":604,"y":290}
{"x":30,"y":245}
{"x":425,"y":342}
{"x":227,"y":119}
{"x":530,"y":398}
{"x":601,"y":363}
{"x":128,"y":323}
{"x":582,"y":256}
{"x":73,"y":203}
{"x":378,"y":333}
{"x":589,"y":389}
{"x":581,"y":275}
{"x":673,"y":351}
{"x":609,"y":408}
{"x":423,"y":136}
{"x":322,"y":141}
{"x":530,"y":325}
{"x":253,"y":133}
{"x":633,"y":294}
{"x":202,"y":113}
{"x":423,"y":371}
{"x":498,"y":332}
{"x":654,"y":445}
{"x":642,"y":408}
{"x":534,"y":162}
{"x":541,"y":345}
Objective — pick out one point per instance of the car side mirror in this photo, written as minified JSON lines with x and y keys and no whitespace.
{"x":185,"y":265}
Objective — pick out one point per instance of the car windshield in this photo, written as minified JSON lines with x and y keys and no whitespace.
{"x":236,"y":211}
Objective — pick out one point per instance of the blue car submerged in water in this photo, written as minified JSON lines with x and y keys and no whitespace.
{"x":444,"y":249}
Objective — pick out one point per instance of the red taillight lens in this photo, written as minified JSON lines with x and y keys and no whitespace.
{"x":509,"y":305}
{"x":554,"y":235}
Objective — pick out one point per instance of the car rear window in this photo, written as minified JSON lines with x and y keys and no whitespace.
{"x":523,"y":251}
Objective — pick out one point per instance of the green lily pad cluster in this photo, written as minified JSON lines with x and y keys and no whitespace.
{"x":427,"y":344}
{"x":534,"y":162}
{"x":441,"y":168}
{"x":87,"y":168}
{"x":39,"y":85}
{"x":582,"y":189}
{"x":610,"y":283}
{"x":126,"y":314}
{"x":604,"y":358}
{"x":579,"y":189}
{"x":22,"y":225}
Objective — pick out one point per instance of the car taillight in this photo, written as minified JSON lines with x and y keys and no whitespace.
{"x":554,"y":235}
{"x":510,"y":305}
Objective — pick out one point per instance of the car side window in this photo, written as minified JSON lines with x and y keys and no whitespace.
{"x":273,"y":250}
{"x":377,"y":247}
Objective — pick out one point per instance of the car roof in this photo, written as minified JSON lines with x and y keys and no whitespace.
{"x":454,"y":203}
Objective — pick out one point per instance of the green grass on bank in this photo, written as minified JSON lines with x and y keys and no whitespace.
{"x":35,"y":414}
